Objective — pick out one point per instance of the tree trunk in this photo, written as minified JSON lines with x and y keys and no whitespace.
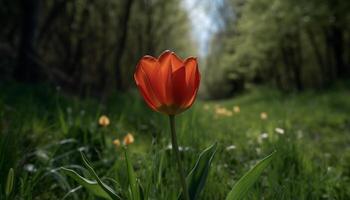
{"x":292,"y":58}
{"x":298,"y":62}
{"x":149,"y":27}
{"x":123,"y":29}
{"x":28,"y":69}
{"x":329,"y":55}
{"x":318,"y":56}
{"x":338,"y":49}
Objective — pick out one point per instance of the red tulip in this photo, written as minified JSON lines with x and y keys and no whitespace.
{"x":168,"y":84}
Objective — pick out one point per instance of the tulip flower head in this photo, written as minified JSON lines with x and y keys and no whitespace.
{"x":103,"y":121}
{"x":128,"y":139}
{"x":116,"y":143}
{"x":168,"y":84}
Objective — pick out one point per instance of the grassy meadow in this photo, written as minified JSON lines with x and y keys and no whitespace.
{"x":43,"y":129}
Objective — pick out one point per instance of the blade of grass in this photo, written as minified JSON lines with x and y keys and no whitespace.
{"x":105,"y":187}
{"x":241,"y":188}
{"x":91,"y":186}
{"x":134,"y":188}
{"x":198,"y":175}
{"x":9,"y":182}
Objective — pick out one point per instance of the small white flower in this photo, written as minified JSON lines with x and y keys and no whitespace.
{"x":279,"y":130}
{"x":181,"y":148}
{"x":264,"y":135}
{"x":231,"y":147}
{"x":30,"y":168}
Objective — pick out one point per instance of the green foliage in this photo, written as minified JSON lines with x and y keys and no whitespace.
{"x":105,"y":187}
{"x":311,"y":162}
{"x":83,"y":45}
{"x":133,"y":185}
{"x":91,"y":186}
{"x":241,"y":188}
{"x":9,"y":182}
{"x":286,"y":43}
{"x":197,"y":177}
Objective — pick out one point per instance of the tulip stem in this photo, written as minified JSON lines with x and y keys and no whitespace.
{"x":175,"y":148}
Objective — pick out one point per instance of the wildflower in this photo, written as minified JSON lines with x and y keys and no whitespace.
{"x":236,"y":109}
{"x":30,"y":168}
{"x":279,"y":130}
{"x":223,"y":112}
{"x":116,"y":143}
{"x":168,"y":84}
{"x":128,"y":139}
{"x":219,"y":110}
{"x":231,"y":147}
{"x":263,"y":115}
{"x":264,"y":136}
{"x":170,"y":146}
{"x":103,"y":121}
{"x":206,"y":107}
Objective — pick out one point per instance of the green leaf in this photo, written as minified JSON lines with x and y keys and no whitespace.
{"x":240,"y":189}
{"x":9,"y":182}
{"x":105,"y":187}
{"x":197,"y":177}
{"x":134,"y":187}
{"x":91,"y":186}
{"x":63,"y":123}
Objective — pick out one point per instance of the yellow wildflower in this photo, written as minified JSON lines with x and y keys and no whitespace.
{"x":103,"y":121}
{"x":236,"y":109}
{"x":128,"y":139}
{"x":263,"y":115}
{"x":116,"y":143}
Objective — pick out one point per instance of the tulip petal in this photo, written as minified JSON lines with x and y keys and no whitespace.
{"x":157,"y":76}
{"x":164,"y":58}
{"x":164,"y":77}
{"x":176,"y":62}
{"x":148,"y":65}
{"x":169,"y":58}
{"x":191,"y":66}
{"x":192,"y":80}
{"x":147,"y":99}
{"x":179,"y":86}
{"x":143,"y":74}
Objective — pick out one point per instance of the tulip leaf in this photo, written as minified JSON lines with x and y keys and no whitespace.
{"x":9,"y":182}
{"x":241,"y":188}
{"x":105,"y":187}
{"x":198,"y":175}
{"x":134,"y":186}
{"x":91,"y":186}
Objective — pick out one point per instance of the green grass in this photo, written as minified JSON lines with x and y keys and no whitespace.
{"x":42,"y":129}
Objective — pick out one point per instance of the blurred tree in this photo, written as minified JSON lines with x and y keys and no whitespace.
{"x":28,"y":69}
{"x":89,"y":47}
{"x":291,"y":43}
{"x":123,"y":28}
